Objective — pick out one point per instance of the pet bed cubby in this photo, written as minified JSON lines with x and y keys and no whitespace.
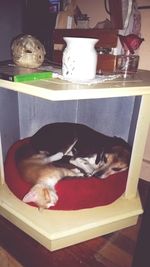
{"x":74,"y":193}
{"x":59,"y":228}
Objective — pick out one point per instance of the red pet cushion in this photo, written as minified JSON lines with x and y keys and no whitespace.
{"x":74,"y":193}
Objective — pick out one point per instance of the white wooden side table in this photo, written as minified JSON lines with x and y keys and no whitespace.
{"x":58,"y":229}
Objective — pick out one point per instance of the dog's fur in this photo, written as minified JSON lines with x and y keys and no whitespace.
{"x":43,"y":161}
{"x":84,"y":145}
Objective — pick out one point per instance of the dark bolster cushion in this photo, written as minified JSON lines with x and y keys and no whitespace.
{"x":74,"y":193}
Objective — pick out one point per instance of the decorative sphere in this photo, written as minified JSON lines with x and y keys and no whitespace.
{"x":27,"y":51}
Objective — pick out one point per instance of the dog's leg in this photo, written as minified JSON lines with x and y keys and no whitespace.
{"x":58,"y":155}
{"x":53,"y":158}
{"x":68,"y":151}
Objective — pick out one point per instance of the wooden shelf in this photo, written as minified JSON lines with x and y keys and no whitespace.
{"x":58,"y":229}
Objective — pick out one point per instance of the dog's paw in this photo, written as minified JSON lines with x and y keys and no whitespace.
{"x":77,"y":172}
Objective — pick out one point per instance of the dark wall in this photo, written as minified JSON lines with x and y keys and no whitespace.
{"x":38,"y":21}
{"x":10,"y":24}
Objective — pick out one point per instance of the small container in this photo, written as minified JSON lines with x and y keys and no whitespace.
{"x":79,"y":60}
{"x":82,"y":24}
{"x":127,"y":64}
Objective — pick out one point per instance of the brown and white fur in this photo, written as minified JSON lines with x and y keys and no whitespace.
{"x":92,"y":153}
{"x":114,"y":161}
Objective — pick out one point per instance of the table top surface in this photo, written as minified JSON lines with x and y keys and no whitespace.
{"x":56,"y":89}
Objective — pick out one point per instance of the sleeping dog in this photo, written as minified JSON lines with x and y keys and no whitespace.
{"x":59,"y":150}
{"x":91,"y":151}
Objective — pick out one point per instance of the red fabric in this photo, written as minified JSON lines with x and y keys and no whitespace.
{"x":74,"y":193}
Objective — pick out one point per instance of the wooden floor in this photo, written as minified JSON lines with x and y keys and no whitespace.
{"x":113,"y":250}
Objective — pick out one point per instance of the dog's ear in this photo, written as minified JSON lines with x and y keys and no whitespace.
{"x":123,"y":153}
{"x":100,"y":157}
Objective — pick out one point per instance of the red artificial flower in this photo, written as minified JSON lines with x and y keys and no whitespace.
{"x":130,"y":42}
